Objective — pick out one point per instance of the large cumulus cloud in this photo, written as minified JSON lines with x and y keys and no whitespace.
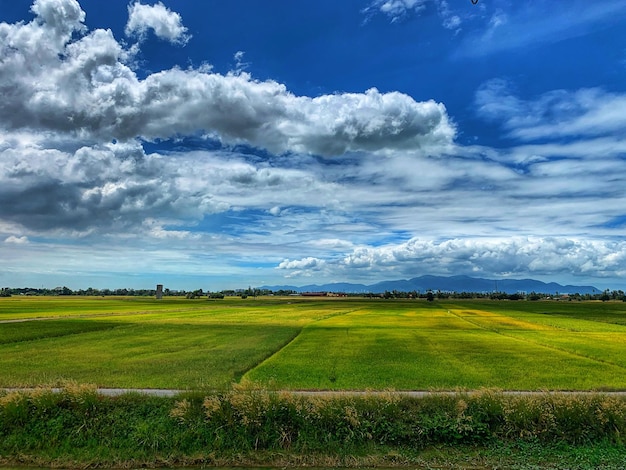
{"x":54,"y":80}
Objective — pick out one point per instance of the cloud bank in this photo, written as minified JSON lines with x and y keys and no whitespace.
{"x":535,"y":256}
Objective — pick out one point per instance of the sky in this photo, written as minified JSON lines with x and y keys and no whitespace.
{"x":218,"y":145}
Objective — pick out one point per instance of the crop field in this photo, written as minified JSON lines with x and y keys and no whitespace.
{"x":299,"y":343}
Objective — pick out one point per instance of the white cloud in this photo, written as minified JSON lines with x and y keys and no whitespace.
{"x":304,"y":263}
{"x":395,"y":9}
{"x":240,"y":64}
{"x":16,"y":240}
{"x":84,"y":88}
{"x":451,"y":20}
{"x":304,"y":267}
{"x":155,"y":229}
{"x":165,"y":23}
{"x":555,"y":114}
{"x":63,"y":17}
{"x":275,"y":211}
{"x":516,"y":256}
{"x":332,"y":244}
{"x":498,"y":19}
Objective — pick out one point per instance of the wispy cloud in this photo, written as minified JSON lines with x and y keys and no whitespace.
{"x":527,"y":24}
{"x":555,"y":114}
{"x":397,"y":10}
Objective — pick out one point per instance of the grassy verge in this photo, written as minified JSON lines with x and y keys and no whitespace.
{"x":251,"y":426}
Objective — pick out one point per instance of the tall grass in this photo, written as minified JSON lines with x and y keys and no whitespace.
{"x":80,"y":427}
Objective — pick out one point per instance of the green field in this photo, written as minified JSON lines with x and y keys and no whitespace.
{"x":298,"y":343}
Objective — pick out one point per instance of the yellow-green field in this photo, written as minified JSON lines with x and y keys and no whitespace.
{"x":298,"y":343}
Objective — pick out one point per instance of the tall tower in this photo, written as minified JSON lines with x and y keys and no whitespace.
{"x":159,"y":291}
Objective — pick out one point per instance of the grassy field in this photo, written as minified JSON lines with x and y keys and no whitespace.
{"x":297,"y":343}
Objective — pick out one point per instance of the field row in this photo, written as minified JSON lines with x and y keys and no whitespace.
{"x":295,"y":343}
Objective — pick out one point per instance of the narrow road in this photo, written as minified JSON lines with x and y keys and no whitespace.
{"x":113,"y":392}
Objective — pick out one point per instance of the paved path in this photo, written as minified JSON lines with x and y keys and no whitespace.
{"x":112,"y":392}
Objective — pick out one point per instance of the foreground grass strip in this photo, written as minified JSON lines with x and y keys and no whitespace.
{"x":250,"y":425}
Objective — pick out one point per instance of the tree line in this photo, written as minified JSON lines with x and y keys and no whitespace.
{"x":255,"y":292}
{"x":197,"y":293}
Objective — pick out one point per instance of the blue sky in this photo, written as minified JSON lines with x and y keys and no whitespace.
{"x":224,"y":144}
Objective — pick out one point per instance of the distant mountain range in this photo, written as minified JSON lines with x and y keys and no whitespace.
{"x":447,"y":284}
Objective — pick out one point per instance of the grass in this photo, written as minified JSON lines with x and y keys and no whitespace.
{"x":250,"y":426}
{"x":144,"y":356}
{"x":417,"y":346}
{"x":297,"y":343}
{"x":32,"y":331}
{"x":188,"y":344}
{"x":26,"y":307}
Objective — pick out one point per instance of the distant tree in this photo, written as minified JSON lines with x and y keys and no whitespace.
{"x":430,"y":296}
{"x":442,"y":295}
{"x":605,"y":296}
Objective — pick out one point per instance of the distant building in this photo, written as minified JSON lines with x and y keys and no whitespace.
{"x":159,"y":291}
{"x":322,"y":294}
{"x":336,"y":294}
